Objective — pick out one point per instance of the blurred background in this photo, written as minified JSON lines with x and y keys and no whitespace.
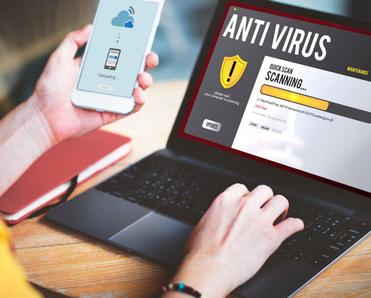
{"x":30,"y":30}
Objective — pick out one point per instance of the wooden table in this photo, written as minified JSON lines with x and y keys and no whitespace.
{"x":77,"y":266}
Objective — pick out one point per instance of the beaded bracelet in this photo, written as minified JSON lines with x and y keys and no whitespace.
{"x":181,"y":288}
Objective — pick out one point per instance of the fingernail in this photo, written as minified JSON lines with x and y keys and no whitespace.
{"x":301,"y":222}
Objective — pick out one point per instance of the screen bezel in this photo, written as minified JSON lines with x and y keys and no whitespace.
{"x":244,"y":163}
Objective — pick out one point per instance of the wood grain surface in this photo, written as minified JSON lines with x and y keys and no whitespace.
{"x":77,"y":266}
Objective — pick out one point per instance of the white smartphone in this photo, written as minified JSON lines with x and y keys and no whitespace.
{"x":122,"y":36}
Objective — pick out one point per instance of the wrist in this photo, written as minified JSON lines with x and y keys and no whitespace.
{"x":34,"y":128}
{"x":206,"y":275}
{"x":24,"y":138}
{"x":41,"y":120}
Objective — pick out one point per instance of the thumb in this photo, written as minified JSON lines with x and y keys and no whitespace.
{"x":72,"y":42}
{"x":289,"y":227}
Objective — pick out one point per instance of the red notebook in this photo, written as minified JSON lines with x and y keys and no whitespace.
{"x":50,"y":176}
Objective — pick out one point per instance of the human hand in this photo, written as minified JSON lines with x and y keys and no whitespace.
{"x":234,"y":239}
{"x":52,"y":95}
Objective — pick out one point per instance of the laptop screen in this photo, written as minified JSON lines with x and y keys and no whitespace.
{"x":290,"y":91}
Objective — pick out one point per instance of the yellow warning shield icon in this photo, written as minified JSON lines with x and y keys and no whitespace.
{"x":232,"y":70}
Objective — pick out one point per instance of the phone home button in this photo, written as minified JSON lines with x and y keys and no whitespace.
{"x":105,"y":87}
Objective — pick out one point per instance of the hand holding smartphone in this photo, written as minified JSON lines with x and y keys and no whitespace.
{"x":122,"y":36}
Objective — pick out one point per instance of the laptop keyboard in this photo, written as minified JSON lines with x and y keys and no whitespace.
{"x":171,"y":187}
{"x":185,"y":192}
{"x":326,"y":236}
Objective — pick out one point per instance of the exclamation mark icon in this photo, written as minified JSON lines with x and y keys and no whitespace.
{"x":231,"y":72}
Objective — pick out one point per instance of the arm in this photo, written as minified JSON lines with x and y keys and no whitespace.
{"x":24,"y":137}
{"x":48,"y":116}
{"x":233,"y":240}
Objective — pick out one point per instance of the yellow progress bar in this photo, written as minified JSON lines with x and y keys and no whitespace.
{"x":304,"y":100}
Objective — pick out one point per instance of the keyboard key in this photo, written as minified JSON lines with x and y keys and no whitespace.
{"x":354,"y":231}
{"x":319,"y":261}
{"x":299,"y":256}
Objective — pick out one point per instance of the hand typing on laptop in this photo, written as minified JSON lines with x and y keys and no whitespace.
{"x":234,"y":239}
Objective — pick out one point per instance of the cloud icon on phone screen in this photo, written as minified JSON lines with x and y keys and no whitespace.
{"x":124,"y":19}
{"x":129,"y":24}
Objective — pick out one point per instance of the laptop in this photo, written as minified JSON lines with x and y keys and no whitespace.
{"x":279,"y":96}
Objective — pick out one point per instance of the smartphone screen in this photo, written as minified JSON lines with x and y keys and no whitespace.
{"x":117,"y":47}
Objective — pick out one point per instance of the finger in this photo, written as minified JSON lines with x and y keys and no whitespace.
{"x":282,"y":217}
{"x":139,"y":96}
{"x":108,"y":118}
{"x":260,"y":195}
{"x":275,"y":207}
{"x":137,"y":108}
{"x":234,"y":192}
{"x":288,"y":227}
{"x":72,"y":42}
{"x":152,"y":60}
{"x":145,"y":80}
{"x":224,"y":210}
{"x":230,"y":196}
{"x":78,"y":61}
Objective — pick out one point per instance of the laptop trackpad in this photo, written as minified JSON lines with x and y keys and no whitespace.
{"x":156,"y":237}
